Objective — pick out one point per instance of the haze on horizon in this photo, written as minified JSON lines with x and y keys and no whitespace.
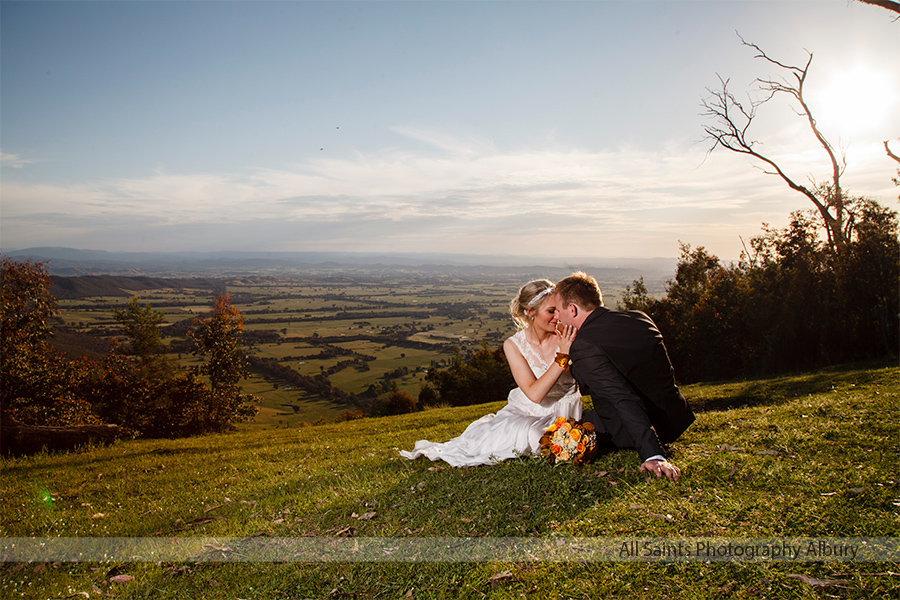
{"x":563,"y":130}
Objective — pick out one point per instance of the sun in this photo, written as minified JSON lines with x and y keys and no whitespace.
{"x":857,"y":101}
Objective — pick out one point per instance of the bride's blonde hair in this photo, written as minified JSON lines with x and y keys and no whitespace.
{"x":530,"y":297}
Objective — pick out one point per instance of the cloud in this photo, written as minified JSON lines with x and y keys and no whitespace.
{"x":463,"y":195}
{"x":445,"y":142}
{"x":13,"y":160}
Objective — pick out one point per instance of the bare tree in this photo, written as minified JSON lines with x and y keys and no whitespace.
{"x":731,"y":123}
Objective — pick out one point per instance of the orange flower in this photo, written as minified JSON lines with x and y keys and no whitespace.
{"x":568,"y":440}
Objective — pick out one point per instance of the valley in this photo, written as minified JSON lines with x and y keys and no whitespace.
{"x":318,"y":345}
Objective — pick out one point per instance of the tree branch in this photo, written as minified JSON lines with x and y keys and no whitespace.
{"x":796,"y":91}
{"x":733,"y":119}
{"x":889,"y":153}
{"x":885,"y":4}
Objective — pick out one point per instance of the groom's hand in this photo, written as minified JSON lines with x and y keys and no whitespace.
{"x":661,"y":468}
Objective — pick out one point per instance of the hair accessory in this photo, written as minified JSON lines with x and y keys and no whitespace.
{"x":537,"y":299}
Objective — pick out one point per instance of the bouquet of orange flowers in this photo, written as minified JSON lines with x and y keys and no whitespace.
{"x":568,"y":440}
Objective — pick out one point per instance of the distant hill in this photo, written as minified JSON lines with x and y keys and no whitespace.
{"x":74,"y":262}
{"x":69,"y":288}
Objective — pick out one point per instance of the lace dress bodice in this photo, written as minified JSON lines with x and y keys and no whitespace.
{"x":564,"y":386}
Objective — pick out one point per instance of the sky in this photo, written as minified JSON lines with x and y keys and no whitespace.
{"x":557,"y":130}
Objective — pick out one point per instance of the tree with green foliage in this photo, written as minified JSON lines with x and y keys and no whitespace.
{"x":428,"y":396}
{"x":790,"y":303}
{"x":485,"y":377}
{"x":637,"y":297}
{"x":141,"y":325}
{"x":867,"y":275}
{"x":702,"y":316}
{"x":134,"y":388}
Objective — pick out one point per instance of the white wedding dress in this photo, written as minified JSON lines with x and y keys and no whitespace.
{"x":516,"y":429}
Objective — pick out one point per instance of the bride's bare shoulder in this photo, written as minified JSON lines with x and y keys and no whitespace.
{"x":510,"y":343}
{"x":513,"y":344}
{"x":516,"y":338}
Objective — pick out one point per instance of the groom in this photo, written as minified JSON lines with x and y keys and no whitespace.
{"x":619,"y":359}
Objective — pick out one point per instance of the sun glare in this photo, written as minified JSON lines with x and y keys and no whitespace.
{"x":857,"y":101}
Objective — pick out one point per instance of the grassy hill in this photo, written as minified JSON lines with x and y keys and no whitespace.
{"x":90,"y":286}
{"x":810,"y":455}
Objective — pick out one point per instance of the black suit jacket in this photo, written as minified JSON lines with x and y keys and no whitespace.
{"x":620,"y":360}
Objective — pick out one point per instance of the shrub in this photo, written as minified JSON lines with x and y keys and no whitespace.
{"x":483,"y":378}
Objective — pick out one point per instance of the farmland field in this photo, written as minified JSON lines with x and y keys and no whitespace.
{"x":362,"y":333}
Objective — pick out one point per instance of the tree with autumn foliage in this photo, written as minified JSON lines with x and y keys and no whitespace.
{"x":136,"y":387}
{"x":142,"y":390}
{"x":217,"y":337}
{"x":27,"y":306}
{"x":38,"y":386}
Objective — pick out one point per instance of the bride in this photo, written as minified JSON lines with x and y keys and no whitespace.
{"x":538,"y":359}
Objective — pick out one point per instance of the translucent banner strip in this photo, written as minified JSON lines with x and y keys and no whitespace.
{"x":447,"y":549}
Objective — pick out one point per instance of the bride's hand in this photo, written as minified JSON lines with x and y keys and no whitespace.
{"x":565,"y":333}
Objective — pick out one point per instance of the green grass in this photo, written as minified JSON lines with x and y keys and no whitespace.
{"x":808,"y":455}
